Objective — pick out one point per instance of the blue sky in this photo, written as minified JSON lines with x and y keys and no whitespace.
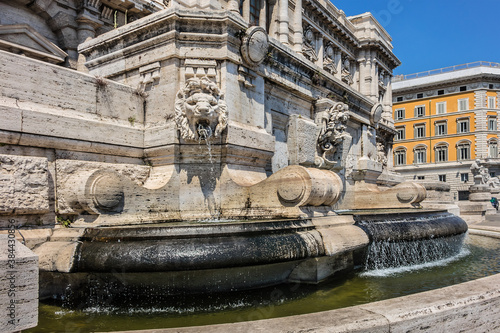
{"x":430,"y":34}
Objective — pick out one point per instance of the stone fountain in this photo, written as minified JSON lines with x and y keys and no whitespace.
{"x":205,"y":153}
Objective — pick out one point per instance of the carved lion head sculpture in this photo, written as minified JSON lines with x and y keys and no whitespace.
{"x":200,"y":110}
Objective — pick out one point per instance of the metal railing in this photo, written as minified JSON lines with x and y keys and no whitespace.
{"x":475,"y":64}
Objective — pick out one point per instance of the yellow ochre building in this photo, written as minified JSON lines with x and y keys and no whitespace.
{"x":445,"y":119}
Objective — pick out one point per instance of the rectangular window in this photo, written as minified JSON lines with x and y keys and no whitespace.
{"x":463,"y":88}
{"x":463,"y":195}
{"x":421,"y":95}
{"x":492,"y":102}
{"x":400,"y":114}
{"x":463,"y":126}
{"x":441,"y":153}
{"x":493,"y":149}
{"x":441,"y":107}
{"x":420,"y":111}
{"x":463,"y":151}
{"x":442,"y":178}
{"x":420,"y":177}
{"x":399,"y":99}
{"x":492,"y":123}
{"x":400,"y":157}
{"x":440,"y":92}
{"x":420,"y":131}
{"x":464,"y":177}
{"x":441,"y":128}
{"x":492,"y":174}
{"x":400,"y":133}
{"x":420,"y":156}
{"x":254,"y":12}
{"x":463,"y":104}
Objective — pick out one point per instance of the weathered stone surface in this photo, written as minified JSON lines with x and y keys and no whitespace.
{"x":57,"y":256}
{"x":302,"y":141}
{"x":18,"y":286}
{"x":24,"y":185}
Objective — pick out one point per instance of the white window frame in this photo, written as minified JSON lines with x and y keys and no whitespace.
{"x":420,"y":155}
{"x":493,"y":149}
{"x":461,"y":121}
{"x":400,"y":156}
{"x":400,"y":133}
{"x":492,"y":101}
{"x":443,"y":123}
{"x":442,"y":105}
{"x":440,"y":147}
{"x":417,"y":128}
{"x":492,"y":123}
{"x":463,"y":107}
{"x":464,"y":177}
{"x":463,"y":146}
{"x":399,"y":114}
{"x":417,"y":110}
{"x":442,"y":178}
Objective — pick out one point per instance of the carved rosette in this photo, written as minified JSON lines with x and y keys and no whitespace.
{"x":200,"y":110}
{"x":332,"y":133}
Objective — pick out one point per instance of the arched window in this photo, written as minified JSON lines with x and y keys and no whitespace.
{"x":463,"y":150}
{"x":400,"y":156}
{"x":420,"y":155}
{"x":441,"y":152}
{"x":493,"y":148}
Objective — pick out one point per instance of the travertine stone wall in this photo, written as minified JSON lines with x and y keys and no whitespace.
{"x":24,"y":185}
{"x":18,"y":285}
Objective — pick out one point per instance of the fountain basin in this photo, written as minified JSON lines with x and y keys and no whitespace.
{"x":472,"y":305}
{"x":205,"y":257}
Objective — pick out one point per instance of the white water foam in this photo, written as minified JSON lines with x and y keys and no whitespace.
{"x":403,"y":269}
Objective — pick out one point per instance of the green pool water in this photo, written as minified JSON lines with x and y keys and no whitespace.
{"x":478,"y":259}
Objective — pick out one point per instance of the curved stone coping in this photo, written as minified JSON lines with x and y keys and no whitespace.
{"x":410,"y":226}
{"x":472,"y":306}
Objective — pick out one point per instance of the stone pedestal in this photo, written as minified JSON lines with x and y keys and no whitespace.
{"x":478,"y":206}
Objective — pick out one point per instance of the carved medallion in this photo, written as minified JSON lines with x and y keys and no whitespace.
{"x":254,"y":46}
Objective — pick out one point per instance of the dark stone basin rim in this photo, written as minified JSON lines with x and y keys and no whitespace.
{"x":187,"y":231}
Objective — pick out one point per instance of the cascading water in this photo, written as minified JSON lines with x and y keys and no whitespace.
{"x":205,"y":133}
{"x":407,"y":240}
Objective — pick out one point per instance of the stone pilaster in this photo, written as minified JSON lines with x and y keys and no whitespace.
{"x":283,"y":21}
{"x":297,"y":22}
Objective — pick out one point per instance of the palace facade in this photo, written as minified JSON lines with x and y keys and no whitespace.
{"x":445,"y":119}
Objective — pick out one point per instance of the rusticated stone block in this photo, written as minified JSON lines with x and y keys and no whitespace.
{"x":24,"y":185}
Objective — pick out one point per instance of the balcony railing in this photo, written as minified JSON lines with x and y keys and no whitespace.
{"x":475,"y":64}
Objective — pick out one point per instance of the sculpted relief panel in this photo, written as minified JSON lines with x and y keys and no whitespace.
{"x":200,"y":110}
{"x":332,"y":134}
